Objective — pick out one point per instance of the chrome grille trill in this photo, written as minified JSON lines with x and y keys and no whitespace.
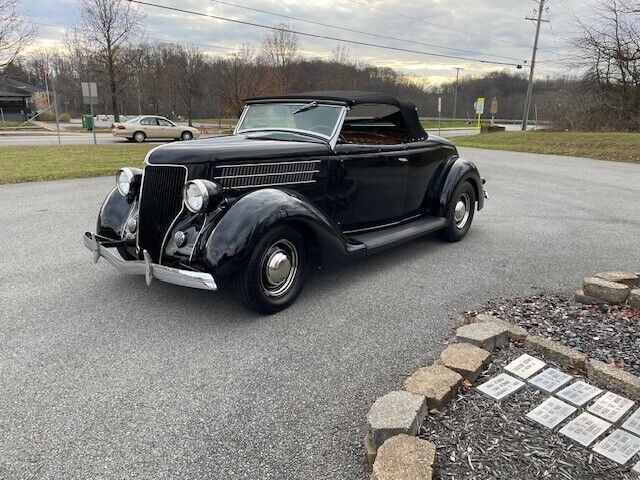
{"x":266,"y":174}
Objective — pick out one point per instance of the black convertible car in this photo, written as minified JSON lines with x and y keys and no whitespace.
{"x":306,"y":179}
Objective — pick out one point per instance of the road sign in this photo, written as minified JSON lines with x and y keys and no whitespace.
{"x":494,"y":106}
{"x":480,"y":106}
{"x":90,"y":93}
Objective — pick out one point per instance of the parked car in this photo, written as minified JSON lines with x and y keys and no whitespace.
{"x":306,"y":180}
{"x":138,"y":129}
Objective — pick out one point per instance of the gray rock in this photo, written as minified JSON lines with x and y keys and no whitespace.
{"x":395,"y":413}
{"x":605,"y":290}
{"x":616,"y":379}
{"x":484,"y":335}
{"x":466,"y":359}
{"x":437,"y":383}
{"x":516,"y":332}
{"x":627,"y":278}
{"x":551,"y":350}
{"x":404,"y":458}
{"x":634,"y":298}
{"x":580,"y":297}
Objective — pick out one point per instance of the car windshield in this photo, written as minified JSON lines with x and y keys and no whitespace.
{"x":311,"y":117}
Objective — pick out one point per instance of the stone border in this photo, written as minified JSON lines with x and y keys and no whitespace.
{"x":392,"y":449}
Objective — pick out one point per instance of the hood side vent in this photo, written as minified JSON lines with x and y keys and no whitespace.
{"x":254,"y":175}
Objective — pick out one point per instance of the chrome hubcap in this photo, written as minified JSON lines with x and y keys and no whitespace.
{"x":279,"y":268}
{"x":461,"y":213}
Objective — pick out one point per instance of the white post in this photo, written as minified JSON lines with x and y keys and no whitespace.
{"x":93,"y":121}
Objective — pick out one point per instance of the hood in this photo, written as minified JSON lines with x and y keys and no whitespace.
{"x":232,"y":147}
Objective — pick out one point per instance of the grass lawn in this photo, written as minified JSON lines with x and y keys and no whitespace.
{"x":51,"y":162}
{"x":80,"y":129}
{"x":617,"y":146}
{"x":433,"y":124}
{"x":14,"y":123}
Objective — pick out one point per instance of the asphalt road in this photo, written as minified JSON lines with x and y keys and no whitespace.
{"x":102,"y":377}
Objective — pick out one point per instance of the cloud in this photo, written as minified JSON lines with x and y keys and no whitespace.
{"x":493,"y":28}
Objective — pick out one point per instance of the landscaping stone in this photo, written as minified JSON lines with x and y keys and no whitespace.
{"x":605,"y":290}
{"x":559,"y":353}
{"x":394,"y":413}
{"x":369,"y":452}
{"x":404,"y":458}
{"x":515,"y":332}
{"x":437,"y":383}
{"x":629,"y":279}
{"x":580,"y":297}
{"x":484,"y":335}
{"x":614,"y":379}
{"x":634,"y":298}
{"x":466,"y":359}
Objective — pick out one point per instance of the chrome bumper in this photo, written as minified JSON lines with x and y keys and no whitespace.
{"x":185,"y":278}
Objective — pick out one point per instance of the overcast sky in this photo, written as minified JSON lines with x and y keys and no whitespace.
{"x":488,"y":29}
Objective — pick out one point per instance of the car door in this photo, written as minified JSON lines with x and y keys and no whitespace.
{"x":150,"y":127}
{"x":168,"y":129}
{"x":369,"y":186}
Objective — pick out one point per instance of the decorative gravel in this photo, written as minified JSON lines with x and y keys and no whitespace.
{"x":479,"y":438}
{"x":609,"y":333}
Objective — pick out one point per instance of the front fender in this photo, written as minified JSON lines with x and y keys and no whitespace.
{"x":113,"y":216}
{"x":240,"y":228}
{"x":459,"y":170}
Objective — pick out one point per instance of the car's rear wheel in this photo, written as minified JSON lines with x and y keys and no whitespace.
{"x":460,"y":210}
{"x":274,"y":276}
{"x":186,"y":136}
{"x":139,"y":137}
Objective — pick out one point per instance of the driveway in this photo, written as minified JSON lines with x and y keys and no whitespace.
{"x":102,"y":377}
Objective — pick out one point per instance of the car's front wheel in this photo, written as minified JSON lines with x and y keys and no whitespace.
{"x":274,"y":275}
{"x":460,"y":210}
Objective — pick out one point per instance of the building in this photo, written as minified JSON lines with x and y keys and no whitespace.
{"x":17,"y":99}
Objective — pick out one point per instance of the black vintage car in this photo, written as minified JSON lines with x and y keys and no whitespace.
{"x":306,"y":179}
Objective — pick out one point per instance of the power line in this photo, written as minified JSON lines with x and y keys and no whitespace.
{"x":313,"y":35}
{"x":361,"y":32}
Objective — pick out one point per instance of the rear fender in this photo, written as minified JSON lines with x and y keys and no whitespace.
{"x":235,"y":236}
{"x":458,"y":170}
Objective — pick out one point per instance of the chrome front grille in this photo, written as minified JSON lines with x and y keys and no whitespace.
{"x":160,"y":203}
{"x":254,"y":175}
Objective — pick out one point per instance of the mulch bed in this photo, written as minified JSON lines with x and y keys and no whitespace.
{"x":479,"y":438}
{"x":610,"y":333}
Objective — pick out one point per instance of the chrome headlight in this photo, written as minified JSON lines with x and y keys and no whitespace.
{"x":124,"y":180}
{"x":201,"y":195}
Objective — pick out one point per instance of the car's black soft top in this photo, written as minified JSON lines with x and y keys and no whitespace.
{"x":354,"y":97}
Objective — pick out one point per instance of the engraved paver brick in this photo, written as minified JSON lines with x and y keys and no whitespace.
{"x":466,"y":359}
{"x":605,"y":290}
{"x":633,"y":423}
{"x":501,"y":386}
{"x":525,"y":365}
{"x":550,"y":380}
{"x":394,"y":413}
{"x":436,"y":382}
{"x":585,"y":429}
{"x":484,"y":335}
{"x":620,"y":446}
{"x":635,"y":471}
{"x":579,"y":393}
{"x":551,"y":412}
{"x":610,"y":406}
{"x":615,"y":379}
{"x":404,"y":457}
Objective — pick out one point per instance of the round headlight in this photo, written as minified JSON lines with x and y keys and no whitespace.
{"x":124,"y":177}
{"x":200,"y":195}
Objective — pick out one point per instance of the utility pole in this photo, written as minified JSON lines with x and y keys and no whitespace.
{"x":455,"y":97}
{"x":527,"y":102}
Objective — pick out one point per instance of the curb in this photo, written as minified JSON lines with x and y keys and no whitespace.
{"x":407,"y":457}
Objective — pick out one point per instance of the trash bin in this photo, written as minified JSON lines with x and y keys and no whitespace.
{"x":87,"y":122}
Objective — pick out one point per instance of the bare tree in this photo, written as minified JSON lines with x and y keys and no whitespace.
{"x":15,"y":31}
{"x":108,"y":28}
{"x":281,"y":49}
{"x":241,"y":76}
{"x":191,"y":78}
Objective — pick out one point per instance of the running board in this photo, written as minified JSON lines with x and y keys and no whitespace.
{"x":388,"y":237}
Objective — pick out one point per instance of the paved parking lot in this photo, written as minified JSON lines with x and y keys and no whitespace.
{"x":101,"y":377}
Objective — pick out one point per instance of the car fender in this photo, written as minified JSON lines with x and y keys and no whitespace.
{"x":233,"y":239}
{"x":114,"y":213}
{"x":458,"y":170}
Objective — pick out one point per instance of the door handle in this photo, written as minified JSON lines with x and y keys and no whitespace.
{"x":402,"y":160}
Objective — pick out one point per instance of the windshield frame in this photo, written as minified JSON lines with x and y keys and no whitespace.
{"x":332,"y":139}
